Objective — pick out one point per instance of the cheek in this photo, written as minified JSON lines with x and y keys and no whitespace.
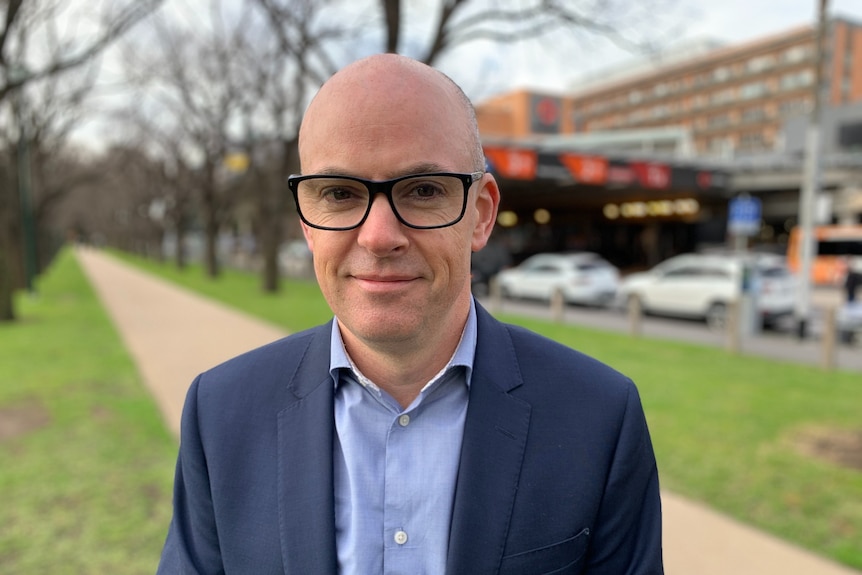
{"x":327,"y":251}
{"x":452,"y":254}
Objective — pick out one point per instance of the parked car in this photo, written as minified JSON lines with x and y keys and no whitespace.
{"x":583,"y":277}
{"x":702,"y":286}
{"x":294,"y":259}
{"x":848,"y":320}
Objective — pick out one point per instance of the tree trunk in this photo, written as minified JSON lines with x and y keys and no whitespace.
{"x":7,"y":307}
{"x":270,"y":234}
{"x":211,"y":239}
{"x":211,"y":226}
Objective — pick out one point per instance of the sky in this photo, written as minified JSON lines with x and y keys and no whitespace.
{"x":731,"y":21}
{"x":561,"y":65}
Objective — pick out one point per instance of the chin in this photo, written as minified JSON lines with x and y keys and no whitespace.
{"x":385,"y":326}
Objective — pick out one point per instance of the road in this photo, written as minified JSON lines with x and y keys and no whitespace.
{"x":781,"y":345}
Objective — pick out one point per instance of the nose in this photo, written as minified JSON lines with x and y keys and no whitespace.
{"x":381,"y":233}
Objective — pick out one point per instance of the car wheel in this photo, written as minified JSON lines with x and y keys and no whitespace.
{"x":716,"y":316}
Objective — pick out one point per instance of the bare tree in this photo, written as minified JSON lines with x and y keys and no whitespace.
{"x":628,"y":23}
{"x":281,"y":73}
{"x":119,"y":204}
{"x":38,"y":42}
{"x":196,"y":86}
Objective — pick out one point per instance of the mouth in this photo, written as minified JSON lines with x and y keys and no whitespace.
{"x":383,"y":283}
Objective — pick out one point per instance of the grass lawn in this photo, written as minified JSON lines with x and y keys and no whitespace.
{"x":86,"y":464}
{"x":727,"y":429}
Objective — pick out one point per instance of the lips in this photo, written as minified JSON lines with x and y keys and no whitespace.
{"x":386,"y":278}
{"x":383,"y":283}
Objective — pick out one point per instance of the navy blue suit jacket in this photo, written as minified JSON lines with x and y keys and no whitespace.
{"x":557,"y":472}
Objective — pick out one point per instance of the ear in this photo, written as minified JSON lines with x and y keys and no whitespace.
{"x":487,"y":204}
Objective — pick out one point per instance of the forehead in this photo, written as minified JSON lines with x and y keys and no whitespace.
{"x":381,"y":123}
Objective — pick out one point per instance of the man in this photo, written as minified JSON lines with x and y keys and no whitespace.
{"x":414,"y":433}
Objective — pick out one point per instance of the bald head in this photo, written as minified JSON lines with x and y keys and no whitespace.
{"x":389,"y":94}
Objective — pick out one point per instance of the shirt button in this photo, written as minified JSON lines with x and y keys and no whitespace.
{"x":404,"y":420}
{"x":400,"y":537}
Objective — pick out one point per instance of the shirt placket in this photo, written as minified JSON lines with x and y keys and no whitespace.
{"x":399,"y":526}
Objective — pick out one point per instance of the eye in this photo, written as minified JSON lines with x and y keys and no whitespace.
{"x":341,"y":192}
{"x":424,"y":190}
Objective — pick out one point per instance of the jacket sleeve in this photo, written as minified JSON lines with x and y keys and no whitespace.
{"x":627,"y":539}
{"x":192,"y":545}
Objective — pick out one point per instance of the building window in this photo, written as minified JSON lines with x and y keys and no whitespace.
{"x":722,"y":96}
{"x":793,"y":107}
{"x":796,"y":54}
{"x":796,"y":80}
{"x":660,"y":111}
{"x":753,"y":90}
{"x":721,"y":74}
{"x":760,"y":63}
{"x":635,"y":97}
{"x":719,"y":121}
{"x":752,"y":115}
{"x":752,"y":141}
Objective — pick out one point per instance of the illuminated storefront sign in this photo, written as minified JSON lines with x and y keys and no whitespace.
{"x":682,"y":207}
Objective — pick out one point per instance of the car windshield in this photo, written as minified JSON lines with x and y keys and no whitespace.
{"x":774,"y":272}
{"x":587,"y":266}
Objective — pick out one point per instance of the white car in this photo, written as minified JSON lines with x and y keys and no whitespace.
{"x":583,"y":278}
{"x":849,"y":321}
{"x":703,"y":286}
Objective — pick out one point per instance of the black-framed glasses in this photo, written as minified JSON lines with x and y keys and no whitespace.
{"x":420,"y":201}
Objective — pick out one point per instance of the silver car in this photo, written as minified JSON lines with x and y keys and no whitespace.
{"x":583,"y":278}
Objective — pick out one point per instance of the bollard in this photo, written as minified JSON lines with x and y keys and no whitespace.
{"x":635,"y":315}
{"x":827,"y":355}
{"x":495,"y":295}
{"x":733,"y":326}
{"x":558,"y":305}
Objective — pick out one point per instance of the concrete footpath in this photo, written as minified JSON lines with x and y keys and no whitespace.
{"x":173,"y":335}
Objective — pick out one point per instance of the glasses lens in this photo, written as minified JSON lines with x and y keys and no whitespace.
{"x":332,"y":202}
{"x":429,"y":201}
{"x":424,"y":201}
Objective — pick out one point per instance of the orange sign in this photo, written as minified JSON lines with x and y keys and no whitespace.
{"x":586,"y":169}
{"x":652,"y":175}
{"x":513,"y":163}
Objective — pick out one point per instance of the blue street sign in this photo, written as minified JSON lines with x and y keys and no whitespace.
{"x":744,"y":214}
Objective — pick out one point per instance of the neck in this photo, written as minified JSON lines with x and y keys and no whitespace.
{"x":403,"y":368}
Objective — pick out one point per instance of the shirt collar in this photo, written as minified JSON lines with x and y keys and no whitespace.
{"x":464,"y":354}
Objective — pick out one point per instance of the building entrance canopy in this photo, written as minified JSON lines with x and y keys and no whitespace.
{"x":580,"y":179}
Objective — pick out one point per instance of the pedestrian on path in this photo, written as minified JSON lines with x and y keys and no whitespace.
{"x":414,"y":433}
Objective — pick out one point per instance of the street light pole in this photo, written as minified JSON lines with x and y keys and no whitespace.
{"x":811,"y":184}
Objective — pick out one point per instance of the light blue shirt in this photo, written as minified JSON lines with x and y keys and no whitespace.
{"x":394,"y":469}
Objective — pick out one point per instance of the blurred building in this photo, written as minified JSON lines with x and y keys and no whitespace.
{"x":730,"y":99}
{"x":640,"y":163}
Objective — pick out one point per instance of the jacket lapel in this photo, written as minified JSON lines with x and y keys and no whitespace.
{"x":495,"y":436}
{"x":305,"y":485}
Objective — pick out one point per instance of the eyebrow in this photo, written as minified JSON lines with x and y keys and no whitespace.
{"x":420,"y":168}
